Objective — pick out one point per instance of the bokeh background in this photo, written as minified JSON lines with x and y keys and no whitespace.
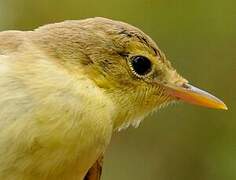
{"x":181,"y":142}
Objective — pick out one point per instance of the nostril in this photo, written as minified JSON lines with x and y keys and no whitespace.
{"x":186,"y":86}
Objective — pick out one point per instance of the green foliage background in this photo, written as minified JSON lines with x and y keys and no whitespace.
{"x":182,"y":142}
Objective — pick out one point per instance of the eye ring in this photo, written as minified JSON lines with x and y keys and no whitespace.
{"x":141,"y":66}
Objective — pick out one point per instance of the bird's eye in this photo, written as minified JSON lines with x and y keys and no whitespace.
{"x":141,"y":65}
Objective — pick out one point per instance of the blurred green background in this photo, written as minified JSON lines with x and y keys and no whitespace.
{"x":181,"y":142}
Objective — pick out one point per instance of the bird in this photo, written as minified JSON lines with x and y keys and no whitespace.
{"x":66,"y":87}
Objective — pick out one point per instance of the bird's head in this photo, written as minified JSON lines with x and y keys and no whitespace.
{"x":126,"y":64}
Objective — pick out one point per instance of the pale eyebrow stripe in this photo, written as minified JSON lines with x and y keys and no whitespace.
{"x":143,"y":40}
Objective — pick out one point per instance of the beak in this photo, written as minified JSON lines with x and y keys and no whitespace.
{"x":193,"y":95}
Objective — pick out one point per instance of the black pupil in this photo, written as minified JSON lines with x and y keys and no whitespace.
{"x":141,"y":65}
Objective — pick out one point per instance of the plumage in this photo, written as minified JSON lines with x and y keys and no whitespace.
{"x":66,"y":87}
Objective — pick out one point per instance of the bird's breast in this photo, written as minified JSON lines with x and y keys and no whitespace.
{"x":53,"y":126}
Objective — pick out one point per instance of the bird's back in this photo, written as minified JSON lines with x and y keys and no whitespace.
{"x":49,"y":129}
{"x":11,"y":41}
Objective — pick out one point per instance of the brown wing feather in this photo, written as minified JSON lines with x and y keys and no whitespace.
{"x":95,"y":171}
